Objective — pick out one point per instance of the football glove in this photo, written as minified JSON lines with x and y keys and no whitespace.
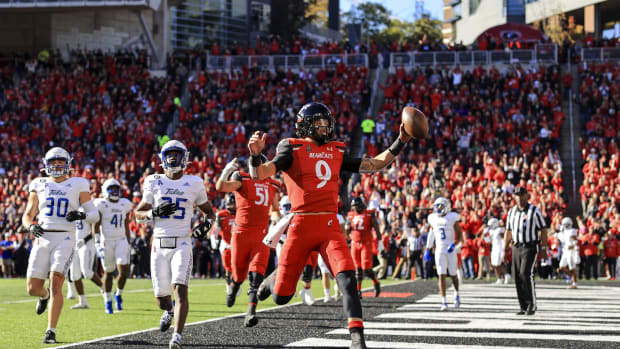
{"x":165,"y":209}
{"x":451,"y":248}
{"x":201,"y":230}
{"x":427,"y":255}
{"x":75,"y":216}
{"x":36,"y":230}
{"x":99,"y":250}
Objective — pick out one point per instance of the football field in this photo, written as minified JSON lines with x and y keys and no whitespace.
{"x":20,"y":327}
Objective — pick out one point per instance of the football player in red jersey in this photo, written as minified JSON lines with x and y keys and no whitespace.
{"x":360,"y":223}
{"x":311,"y":165}
{"x":225,"y":219}
{"x":255,"y":199}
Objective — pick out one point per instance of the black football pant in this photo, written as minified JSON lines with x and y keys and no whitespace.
{"x":523,"y":259}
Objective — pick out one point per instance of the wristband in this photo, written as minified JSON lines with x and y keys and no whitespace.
{"x":397,"y":146}
{"x":255,"y":160}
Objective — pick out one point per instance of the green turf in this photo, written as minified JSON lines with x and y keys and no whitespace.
{"x":20,"y":327}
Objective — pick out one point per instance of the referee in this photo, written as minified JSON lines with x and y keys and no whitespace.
{"x":526,"y":228}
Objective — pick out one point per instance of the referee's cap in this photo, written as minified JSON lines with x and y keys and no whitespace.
{"x":520,"y":190}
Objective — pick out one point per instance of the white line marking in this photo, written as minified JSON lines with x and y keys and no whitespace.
{"x":339,"y":343}
{"x":506,"y":325}
{"x":461,"y":315}
{"x":494,"y":335}
{"x":543,"y":306}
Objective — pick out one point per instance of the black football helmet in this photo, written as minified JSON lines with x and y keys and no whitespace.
{"x":230,"y":204}
{"x":358,"y":204}
{"x":304,"y":125}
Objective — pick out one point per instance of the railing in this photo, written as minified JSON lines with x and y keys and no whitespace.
{"x":286,"y":61}
{"x":546,"y":53}
{"x":70,"y":3}
{"x":600,"y":54}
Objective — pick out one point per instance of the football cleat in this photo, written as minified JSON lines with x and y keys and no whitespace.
{"x":444,"y":307}
{"x":108,"y":308}
{"x":306,"y":296}
{"x":80,"y":306}
{"x":263,"y":290}
{"x":42,"y":304}
{"x":377,"y":289}
{"x":457,"y":302}
{"x":230,"y":299}
{"x":50,"y":337}
{"x":506,"y":279}
{"x":250,"y":320}
{"x":165,"y":321}
{"x":175,"y":343}
{"x":357,"y":340}
{"x":118,"y":299}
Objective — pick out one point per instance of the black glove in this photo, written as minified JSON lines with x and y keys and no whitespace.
{"x":202,"y":229}
{"x":75,"y":216}
{"x":36,"y":230}
{"x":165,"y":209}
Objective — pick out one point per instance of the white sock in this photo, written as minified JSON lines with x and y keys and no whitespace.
{"x":456,"y":293}
{"x":326,"y":292}
{"x":82,"y":299}
{"x":53,"y":329}
{"x":107,"y":296}
{"x":443,"y":300}
{"x":176,"y":336}
{"x":119,"y":291}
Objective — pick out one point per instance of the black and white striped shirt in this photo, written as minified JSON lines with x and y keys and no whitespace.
{"x":525,"y":225}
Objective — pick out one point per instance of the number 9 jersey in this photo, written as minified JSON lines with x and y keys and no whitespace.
{"x":57,"y":199}
{"x":184,"y":192}
{"x":443,"y":230}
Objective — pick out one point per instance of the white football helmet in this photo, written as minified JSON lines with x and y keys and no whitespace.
{"x":285,"y":205}
{"x":567,"y":223}
{"x":493,"y":223}
{"x":171,"y":162}
{"x":57,"y":153}
{"x":442,"y":206}
{"x":109,"y":192}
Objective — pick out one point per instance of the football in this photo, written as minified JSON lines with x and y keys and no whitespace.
{"x":415,"y":122}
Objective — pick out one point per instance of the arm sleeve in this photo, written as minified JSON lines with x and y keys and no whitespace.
{"x":147,"y":194}
{"x":201,"y":196}
{"x":351,"y":164}
{"x":284,"y":156}
{"x":92,"y":214}
{"x":430,"y":239}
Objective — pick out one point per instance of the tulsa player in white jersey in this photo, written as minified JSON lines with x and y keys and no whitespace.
{"x":497,"y":250}
{"x":446,"y":233}
{"x":54,"y":202}
{"x":169,"y":201}
{"x":82,"y":265}
{"x":568,"y":237}
{"x":114,"y":229}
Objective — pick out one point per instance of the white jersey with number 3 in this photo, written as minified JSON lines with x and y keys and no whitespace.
{"x":184,"y":192}
{"x":113,"y":216}
{"x":442,"y":230}
{"x":58,"y":199}
{"x":82,"y":229}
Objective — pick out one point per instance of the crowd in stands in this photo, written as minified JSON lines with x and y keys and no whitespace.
{"x":598,"y":100}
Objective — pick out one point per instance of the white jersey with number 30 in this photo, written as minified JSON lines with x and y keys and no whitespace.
{"x":442,"y":230}
{"x":58,"y":199}
{"x":184,"y":192}
{"x":113,"y":216}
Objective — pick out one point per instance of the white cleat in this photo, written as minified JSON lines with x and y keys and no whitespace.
{"x":499,"y":282}
{"x":506,"y":279}
{"x":80,"y":306}
{"x":444,"y":307}
{"x":306,"y":296}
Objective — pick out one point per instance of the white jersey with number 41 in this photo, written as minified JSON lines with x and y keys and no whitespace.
{"x":113,"y":216}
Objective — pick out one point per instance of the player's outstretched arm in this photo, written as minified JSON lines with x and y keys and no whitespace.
{"x":32,"y":209}
{"x":142,"y":211}
{"x":380,"y":161}
{"x":258,"y":171}
{"x":225,"y":183}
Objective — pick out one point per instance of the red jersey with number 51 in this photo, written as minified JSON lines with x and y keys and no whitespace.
{"x":312,"y":179}
{"x":361,"y":227}
{"x":254,"y":200}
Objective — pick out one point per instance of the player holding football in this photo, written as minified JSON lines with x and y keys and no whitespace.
{"x":446,"y":233}
{"x":255,"y":199}
{"x":114,"y":229}
{"x":54,"y":202}
{"x":169,"y":200}
{"x":360,"y":222}
{"x":311,"y":165}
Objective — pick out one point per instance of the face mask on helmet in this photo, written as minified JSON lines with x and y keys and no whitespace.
{"x":114,"y":192}
{"x":358,"y":205}
{"x":440,"y":207}
{"x":313,"y":117}
{"x":230,"y":204}
{"x":174,"y":157}
{"x":285,"y":205}
{"x":57,"y":162}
